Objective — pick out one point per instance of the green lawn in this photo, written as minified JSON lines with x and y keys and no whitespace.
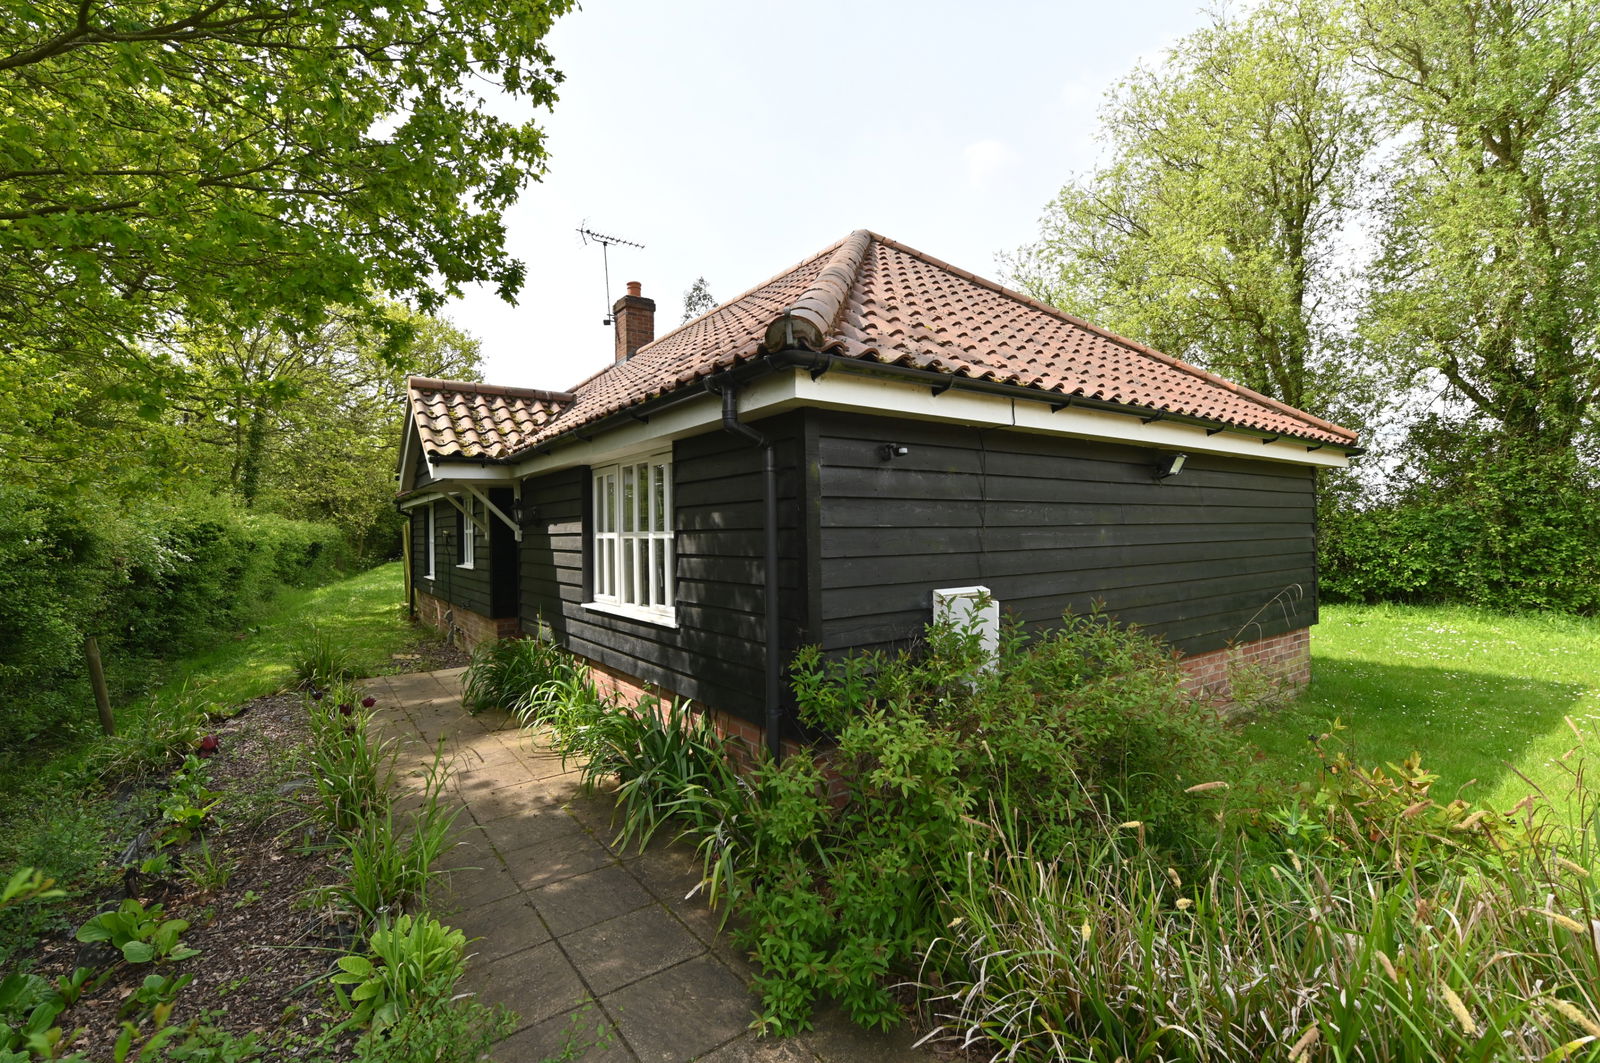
{"x":1483,"y":697}
{"x":363,"y":612}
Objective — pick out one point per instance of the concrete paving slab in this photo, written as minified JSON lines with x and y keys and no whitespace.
{"x":570,"y":927}
{"x":502,"y":928}
{"x":535,"y":983}
{"x":583,"y":1035}
{"x":682,"y":1012}
{"x":489,"y":805}
{"x":469,"y":849}
{"x":464,"y":890}
{"x":575,"y":903}
{"x":623,"y":950}
{"x":560,"y":857}
{"x":510,"y":834}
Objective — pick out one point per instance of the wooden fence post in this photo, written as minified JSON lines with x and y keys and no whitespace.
{"x":97,"y":677}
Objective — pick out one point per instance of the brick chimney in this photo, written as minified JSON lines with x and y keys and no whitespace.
{"x":636,"y":322}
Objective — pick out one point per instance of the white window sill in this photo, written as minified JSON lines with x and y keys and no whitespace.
{"x":468,"y":564}
{"x":658,"y":617}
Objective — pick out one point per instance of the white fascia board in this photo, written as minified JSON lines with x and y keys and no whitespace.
{"x":895,"y":398}
{"x":418,"y":500}
{"x":857,"y":393}
{"x":762,"y":397}
{"x":445,"y":471}
{"x":405,"y":472}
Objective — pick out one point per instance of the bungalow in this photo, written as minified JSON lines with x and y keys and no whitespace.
{"x":832,"y":455}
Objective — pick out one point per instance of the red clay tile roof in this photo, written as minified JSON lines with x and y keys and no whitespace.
{"x":469,"y":421}
{"x":871,"y":298}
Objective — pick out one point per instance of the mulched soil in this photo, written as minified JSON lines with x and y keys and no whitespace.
{"x":265,"y":945}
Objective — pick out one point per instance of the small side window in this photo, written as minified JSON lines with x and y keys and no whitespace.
{"x":430,"y":538}
{"x":465,"y":539}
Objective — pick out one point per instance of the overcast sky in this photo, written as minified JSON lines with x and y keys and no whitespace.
{"x":735,"y":139}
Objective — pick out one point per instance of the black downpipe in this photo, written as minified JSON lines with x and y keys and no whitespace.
{"x":731,"y":422}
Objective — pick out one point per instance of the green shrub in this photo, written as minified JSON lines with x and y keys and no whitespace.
{"x":1492,"y":524}
{"x":352,"y":771}
{"x":837,"y":864}
{"x":321,"y":661}
{"x":151,"y":740}
{"x":440,"y":1031}
{"x":391,"y":862}
{"x":139,"y":933}
{"x":670,"y":765}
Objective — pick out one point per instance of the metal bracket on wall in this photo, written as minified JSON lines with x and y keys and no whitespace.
{"x":477,"y":521}
{"x":481,"y":496}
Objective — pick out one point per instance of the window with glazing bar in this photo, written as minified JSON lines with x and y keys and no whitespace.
{"x":633,"y":540}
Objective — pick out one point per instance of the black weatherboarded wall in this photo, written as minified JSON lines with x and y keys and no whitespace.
{"x":1223,"y":552}
{"x":716,"y":653}
{"x":489,"y":588}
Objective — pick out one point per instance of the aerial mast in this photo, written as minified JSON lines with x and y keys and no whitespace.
{"x":605,"y":242}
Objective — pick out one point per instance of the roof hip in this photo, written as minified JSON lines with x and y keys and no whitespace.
{"x":810,"y":319}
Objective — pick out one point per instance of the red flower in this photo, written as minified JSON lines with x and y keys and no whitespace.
{"x":368,"y":702}
{"x":346,"y":709}
{"x":316,"y":695}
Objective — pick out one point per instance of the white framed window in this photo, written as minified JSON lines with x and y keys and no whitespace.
{"x":430,"y":538}
{"x":466,"y":540}
{"x":631,"y":529}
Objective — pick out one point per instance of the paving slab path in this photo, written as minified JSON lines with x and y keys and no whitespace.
{"x":600,"y":952}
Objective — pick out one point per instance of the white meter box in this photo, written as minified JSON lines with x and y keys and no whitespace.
{"x":971,"y":608}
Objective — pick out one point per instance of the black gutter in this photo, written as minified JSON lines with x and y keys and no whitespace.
{"x":769,"y":484}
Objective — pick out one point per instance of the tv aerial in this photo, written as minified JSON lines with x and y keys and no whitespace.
{"x":605,"y":242}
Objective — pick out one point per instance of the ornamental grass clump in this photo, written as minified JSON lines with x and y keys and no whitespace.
{"x":391,"y":859}
{"x":512,"y":674}
{"x":353,"y":772}
{"x":321,"y":661}
{"x":1489,"y":952}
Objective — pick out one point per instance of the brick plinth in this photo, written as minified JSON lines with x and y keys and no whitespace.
{"x":747,"y":738}
{"x":463,"y":627}
{"x":1281,"y":662}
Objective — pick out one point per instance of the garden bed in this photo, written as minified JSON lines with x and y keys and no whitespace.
{"x":245,"y":884}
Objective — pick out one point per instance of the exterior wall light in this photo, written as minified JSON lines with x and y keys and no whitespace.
{"x":891,"y":451}
{"x":1170,"y":465}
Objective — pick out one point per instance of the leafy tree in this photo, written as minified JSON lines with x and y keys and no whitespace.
{"x":1214,"y":230}
{"x":1491,"y":235}
{"x":697,"y":300}
{"x":241,"y":164}
{"x":306,"y":424}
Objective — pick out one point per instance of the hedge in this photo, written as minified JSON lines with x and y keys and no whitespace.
{"x":151,"y":582}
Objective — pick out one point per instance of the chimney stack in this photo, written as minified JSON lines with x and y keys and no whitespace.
{"x":636,"y":322}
